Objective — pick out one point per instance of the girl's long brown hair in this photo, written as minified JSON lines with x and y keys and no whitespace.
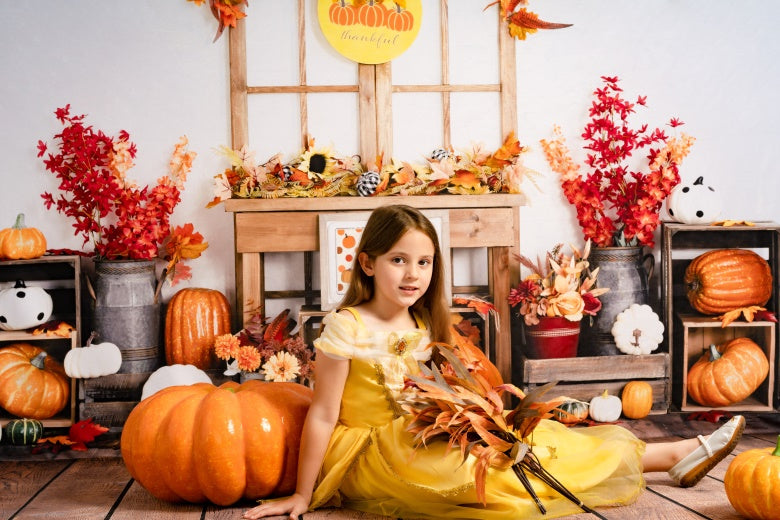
{"x":385,"y":226}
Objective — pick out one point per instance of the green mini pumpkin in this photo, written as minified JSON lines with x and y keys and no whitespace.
{"x":571,"y":411}
{"x":23,"y":431}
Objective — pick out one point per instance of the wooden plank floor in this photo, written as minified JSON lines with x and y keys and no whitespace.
{"x":98,"y":485}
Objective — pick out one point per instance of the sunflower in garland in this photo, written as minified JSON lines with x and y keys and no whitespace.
{"x":318,"y":163}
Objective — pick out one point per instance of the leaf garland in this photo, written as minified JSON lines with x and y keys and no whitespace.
{"x":319,"y":172}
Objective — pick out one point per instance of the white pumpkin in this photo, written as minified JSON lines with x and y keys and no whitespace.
{"x":173,"y":375}
{"x":23,"y":307}
{"x":694,"y":203}
{"x":605,"y":408}
{"x":100,"y":359}
{"x":637,"y":330}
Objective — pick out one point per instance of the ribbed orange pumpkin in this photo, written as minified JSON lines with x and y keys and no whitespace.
{"x":722,"y":280}
{"x":372,"y":14}
{"x":728,"y":374}
{"x":195,"y":317}
{"x":637,"y":399}
{"x":399,"y":19}
{"x":201,"y":443}
{"x":342,"y":13}
{"x":21,"y":242}
{"x":32,"y":384}
{"x":751,"y":483}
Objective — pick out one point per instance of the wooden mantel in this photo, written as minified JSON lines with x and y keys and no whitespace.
{"x":291,"y":225}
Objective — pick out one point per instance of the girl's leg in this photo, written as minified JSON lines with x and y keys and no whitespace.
{"x":662,"y":456}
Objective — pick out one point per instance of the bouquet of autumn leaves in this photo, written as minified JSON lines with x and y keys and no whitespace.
{"x":458,"y":401}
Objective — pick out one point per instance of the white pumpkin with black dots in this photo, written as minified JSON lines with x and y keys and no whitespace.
{"x":23,"y":307}
{"x":695,"y":203}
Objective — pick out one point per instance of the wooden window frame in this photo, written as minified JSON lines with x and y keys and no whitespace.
{"x":375,"y":89}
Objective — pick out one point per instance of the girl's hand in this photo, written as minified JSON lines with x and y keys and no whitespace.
{"x":294,"y":506}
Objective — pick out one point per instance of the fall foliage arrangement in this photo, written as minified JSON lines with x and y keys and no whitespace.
{"x":268,"y":348}
{"x":319,"y":172}
{"x":121,"y":219}
{"x":520,"y":21}
{"x":227,"y":12}
{"x":560,"y":286}
{"x":616,"y":204}
{"x":454,"y":402}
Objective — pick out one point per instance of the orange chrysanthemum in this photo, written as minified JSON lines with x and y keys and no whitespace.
{"x":226,"y":346}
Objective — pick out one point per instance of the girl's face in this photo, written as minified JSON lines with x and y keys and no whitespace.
{"x":403,"y":274}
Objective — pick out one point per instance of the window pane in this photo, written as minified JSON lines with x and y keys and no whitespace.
{"x":417,"y":125}
{"x":333,"y":121}
{"x":272,"y":44}
{"x":274,"y":125}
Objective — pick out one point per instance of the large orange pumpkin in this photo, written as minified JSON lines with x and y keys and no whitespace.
{"x":751,"y":483}
{"x":195,"y":317}
{"x":202,"y":443}
{"x":722,"y":280}
{"x":21,"y":242}
{"x":727,"y":374}
{"x":32,"y":384}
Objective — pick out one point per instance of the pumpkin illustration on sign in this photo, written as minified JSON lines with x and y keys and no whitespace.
{"x":347,"y":239}
{"x":370,"y":31}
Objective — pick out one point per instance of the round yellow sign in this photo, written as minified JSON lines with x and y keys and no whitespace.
{"x":370,"y":31}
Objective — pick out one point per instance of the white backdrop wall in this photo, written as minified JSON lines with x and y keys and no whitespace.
{"x":150,"y":67}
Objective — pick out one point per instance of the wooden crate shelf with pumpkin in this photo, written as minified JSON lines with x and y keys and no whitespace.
{"x":697,"y":333}
{"x":583,"y":378}
{"x":688,"y":331}
{"x":60,"y":277}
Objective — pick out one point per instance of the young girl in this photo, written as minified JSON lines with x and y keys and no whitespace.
{"x":355,"y":450}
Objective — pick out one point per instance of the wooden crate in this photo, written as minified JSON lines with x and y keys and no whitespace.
{"x":697,"y":333}
{"x":586,"y":377}
{"x":680,"y":243}
{"x":60,"y":277}
{"x":110,"y":399}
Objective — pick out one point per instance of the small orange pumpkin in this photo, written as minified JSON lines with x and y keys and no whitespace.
{"x":399,"y":19}
{"x":195,"y":317}
{"x":372,"y":14}
{"x":727,"y":374}
{"x":751,"y":483}
{"x":722,"y":280}
{"x":203,"y":443}
{"x":32,"y":384}
{"x":637,"y":399}
{"x":21,"y":242}
{"x":342,"y":13}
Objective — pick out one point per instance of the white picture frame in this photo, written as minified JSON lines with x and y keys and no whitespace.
{"x":336,"y":256}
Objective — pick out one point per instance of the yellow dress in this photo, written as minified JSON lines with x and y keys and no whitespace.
{"x":371,"y":464}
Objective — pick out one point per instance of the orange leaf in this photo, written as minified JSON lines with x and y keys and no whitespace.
{"x":57,"y":439}
{"x":508,"y":151}
{"x":404,"y":174}
{"x":54,"y":328}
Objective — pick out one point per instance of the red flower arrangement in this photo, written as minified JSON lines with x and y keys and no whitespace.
{"x":121,"y":219}
{"x":618,"y":206}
